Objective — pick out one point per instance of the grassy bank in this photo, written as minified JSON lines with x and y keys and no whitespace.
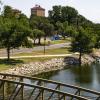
{"x":4,"y":64}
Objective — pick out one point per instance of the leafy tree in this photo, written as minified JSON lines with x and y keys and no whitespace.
{"x":65,"y":30}
{"x":96,"y":30}
{"x":48,"y":29}
{"x":55,"y":14}
{"x":7,"y":12}
{"x":68,"y":13}
{"x":24,"y":20}
{"x":83,"y":42}
{"x":37,"y":34}
{"x":13,"y":35}
{"x":43,"y":24}
{"x":14,"y":31}
{"x":62,"y":14}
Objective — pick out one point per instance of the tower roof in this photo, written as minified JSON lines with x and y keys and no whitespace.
{"x":37,"y":7}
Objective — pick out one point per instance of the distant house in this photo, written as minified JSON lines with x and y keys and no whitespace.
{"x":16,"y":12}
{"x":38,"y":11}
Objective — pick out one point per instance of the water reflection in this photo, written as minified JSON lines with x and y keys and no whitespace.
{"x":85,"y":76}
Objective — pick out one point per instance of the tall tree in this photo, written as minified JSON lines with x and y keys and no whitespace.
{"x":14,"y":31}
{"x":62,"y":14}
{"x":37,"y":34}
{"x":83,"y":42}
{"x":64,"y":29}
{"x":96,"y":30}
{"x":43,"y":24}
{"x":13,"y":35}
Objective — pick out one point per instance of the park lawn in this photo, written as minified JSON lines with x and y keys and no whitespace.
{"x":63,"y":50}
{"x":61,"y":41}
{"x":40,"y":59}
{"x":56,"y":41}
{"x":4,"y":67}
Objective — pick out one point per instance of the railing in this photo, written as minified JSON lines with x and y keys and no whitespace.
{"x":52,"y":87}
{"x":20,"y":87}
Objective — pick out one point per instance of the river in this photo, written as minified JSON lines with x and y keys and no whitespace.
{"x":85,"y":76}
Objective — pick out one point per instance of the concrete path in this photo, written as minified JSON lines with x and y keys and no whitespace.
{"x":29,"y":50}
{"x":38,"y":56}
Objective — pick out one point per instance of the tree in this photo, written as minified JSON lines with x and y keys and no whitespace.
{"x":37,"y":34}
{"x":42,"y":24}
{"x":7,"y":12}
{"x":14,"y":31}
{"x":83,"y":42}
{"x":48,"y":29}
{"x":65,"y":30}
{"x":62,"y":14}
{"x":13,"y":35}
{"x":68,"y":13}
{"x":24,"y":20}
{"x":96,"y":30}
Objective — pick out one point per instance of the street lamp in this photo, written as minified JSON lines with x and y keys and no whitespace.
{"x":44,"y":44}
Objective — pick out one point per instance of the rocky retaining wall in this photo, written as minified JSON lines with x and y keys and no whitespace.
{"x":34,"y":68}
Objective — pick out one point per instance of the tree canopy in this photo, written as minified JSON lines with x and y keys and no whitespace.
{"x":13,"y":31}
{"x":16,"y":29}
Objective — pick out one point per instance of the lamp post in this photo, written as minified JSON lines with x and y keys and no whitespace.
{"x":44,"y":44}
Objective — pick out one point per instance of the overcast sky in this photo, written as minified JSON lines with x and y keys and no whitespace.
{"x":88,"y":8}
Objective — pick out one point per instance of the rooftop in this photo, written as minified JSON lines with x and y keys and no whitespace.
{"x":37,"y":7}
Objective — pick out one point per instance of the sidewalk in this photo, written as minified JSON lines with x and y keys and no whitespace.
{"x":37,"y":56}
{"x":29,"y":50}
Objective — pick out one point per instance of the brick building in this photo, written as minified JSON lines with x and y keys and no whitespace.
{"x":16,"y":12}
{"x":38,"y":11}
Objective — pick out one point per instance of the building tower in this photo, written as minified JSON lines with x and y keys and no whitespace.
{"x":38,"y":11}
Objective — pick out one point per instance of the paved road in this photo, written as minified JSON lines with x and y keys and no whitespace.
{"x":38,"y":48}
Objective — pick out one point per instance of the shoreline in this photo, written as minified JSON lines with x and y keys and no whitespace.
{"x":34,"y":68}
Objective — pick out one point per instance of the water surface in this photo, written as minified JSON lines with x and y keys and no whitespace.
{"x":85,"y":76}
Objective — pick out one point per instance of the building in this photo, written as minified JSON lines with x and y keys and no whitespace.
{"x":38,"y":11}
{"x":16,"y":12}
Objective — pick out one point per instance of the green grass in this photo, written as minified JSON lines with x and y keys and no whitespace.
{"x":61,"y":41}
{"x":56,"y":41}
{"x":4,"y":67}
{"x":13,"y":62}
{"x":63,"y":50}
{"x":4,"y":64}
{"x":40,"y":59}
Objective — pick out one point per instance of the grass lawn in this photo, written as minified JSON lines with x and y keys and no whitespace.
{"x":61,"y":41}
{"x":13,"y":62}
{"x":63,"y":50}
{"x":57,"y":41}
{"x":6,"y":65}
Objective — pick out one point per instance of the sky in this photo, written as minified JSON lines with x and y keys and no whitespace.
{"x":88,"y":8}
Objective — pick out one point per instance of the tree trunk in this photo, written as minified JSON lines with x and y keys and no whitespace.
{"x":39,"y":42}
{"x":34,"y":41}
{"x":8,"y":53}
